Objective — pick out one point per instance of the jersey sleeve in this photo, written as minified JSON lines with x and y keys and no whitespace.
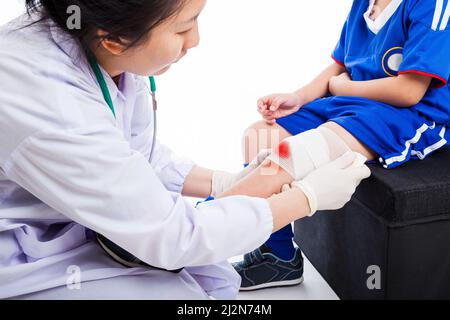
{"x":340,"y":51}
{"x":426,"y":51}
{"x":338,"y":54}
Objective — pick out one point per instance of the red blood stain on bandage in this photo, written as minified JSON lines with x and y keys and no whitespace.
{"x":284,"y":150}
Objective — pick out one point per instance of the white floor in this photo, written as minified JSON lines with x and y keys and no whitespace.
{"x":313,"y":288}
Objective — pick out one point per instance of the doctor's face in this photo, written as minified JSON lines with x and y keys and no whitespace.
{"x":167,"y":43}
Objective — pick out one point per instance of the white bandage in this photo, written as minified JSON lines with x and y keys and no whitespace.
{"x":302,"y":154}
{"x":331,"y":187}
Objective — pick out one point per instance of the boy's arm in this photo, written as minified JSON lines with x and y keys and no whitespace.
{"x":319,"y":87}
{"x":276,"y":106}
{"x":405,"y":90}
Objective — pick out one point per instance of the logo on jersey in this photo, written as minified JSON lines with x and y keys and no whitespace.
{"x":392,"y":60}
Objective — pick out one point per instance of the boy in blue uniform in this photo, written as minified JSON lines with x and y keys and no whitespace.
{"x":390,"y":101}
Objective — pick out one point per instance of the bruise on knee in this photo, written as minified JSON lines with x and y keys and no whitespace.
{"x":283,"y":150}
{"x":258,"y":138}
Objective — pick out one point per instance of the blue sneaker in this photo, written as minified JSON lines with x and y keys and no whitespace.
{"x":262,"y":269}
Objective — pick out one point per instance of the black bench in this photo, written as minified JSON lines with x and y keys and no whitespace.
{"x":396,"y":230}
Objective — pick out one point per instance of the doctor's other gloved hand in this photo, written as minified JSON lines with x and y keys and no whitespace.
{"x":223,"y":181}
{"x":332,"y":186}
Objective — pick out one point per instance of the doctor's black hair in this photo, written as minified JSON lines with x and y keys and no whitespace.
{"x":131,"y":20}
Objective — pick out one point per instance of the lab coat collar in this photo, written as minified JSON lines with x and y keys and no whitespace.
{"x":73,"y":49}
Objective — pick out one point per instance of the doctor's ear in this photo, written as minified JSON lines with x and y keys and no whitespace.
{"x":115,"y":46}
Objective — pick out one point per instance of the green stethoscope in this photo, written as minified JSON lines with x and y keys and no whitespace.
{"x":107,"y":96}
{"x":117,"y":253}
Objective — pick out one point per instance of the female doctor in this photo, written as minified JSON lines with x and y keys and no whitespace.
{"x":76,"y":132}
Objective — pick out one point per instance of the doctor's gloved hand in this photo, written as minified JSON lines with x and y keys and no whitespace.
{"x":332,"y":186}
{"x":223,"y":181}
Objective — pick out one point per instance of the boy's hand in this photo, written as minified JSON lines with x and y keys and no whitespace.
{"x":337,"y":84}
{"x":280,"y":105}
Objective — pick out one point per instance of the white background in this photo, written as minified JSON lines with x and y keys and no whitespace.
{"x":249,"y":48}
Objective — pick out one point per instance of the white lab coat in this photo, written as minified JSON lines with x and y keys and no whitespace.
{"x":67,"y":166}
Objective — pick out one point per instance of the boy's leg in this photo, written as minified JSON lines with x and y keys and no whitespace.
{"x":264,"y":182}
{"x":262,"y":136}
{"x":280,"y":244}
{"x":269,"y":178}
{"x":258,"y":137}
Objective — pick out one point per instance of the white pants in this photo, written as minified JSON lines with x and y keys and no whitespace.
{"x":102,"y":278}
{"x":155,"y":285}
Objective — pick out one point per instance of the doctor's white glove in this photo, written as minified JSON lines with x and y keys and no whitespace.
{"x":333,"y":185}
{"x":223,"y":181}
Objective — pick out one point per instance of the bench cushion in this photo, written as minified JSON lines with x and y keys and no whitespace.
{"x":418,"y":191}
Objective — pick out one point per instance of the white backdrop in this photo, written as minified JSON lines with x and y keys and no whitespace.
{"x":249,"y":48}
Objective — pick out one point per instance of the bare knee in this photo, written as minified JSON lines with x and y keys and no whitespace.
{"x":261,"y":136}
{"x":352,"y":142}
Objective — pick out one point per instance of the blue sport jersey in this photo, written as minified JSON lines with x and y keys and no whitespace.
{"x":408,"y":37}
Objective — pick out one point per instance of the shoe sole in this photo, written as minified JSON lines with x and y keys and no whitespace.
{"x":289,"y":283}
{"x":118,"y":259}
